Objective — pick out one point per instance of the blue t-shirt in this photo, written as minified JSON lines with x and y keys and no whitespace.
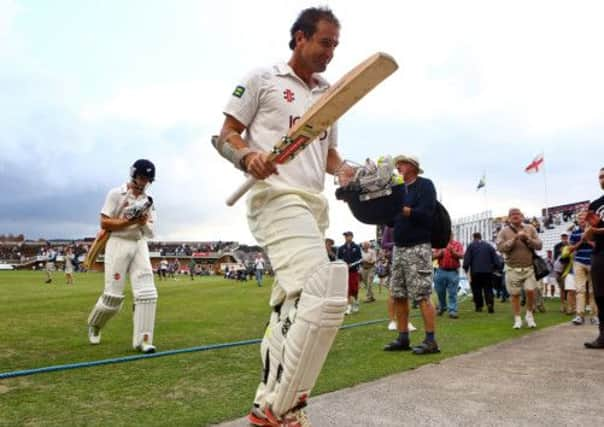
{"x":584,"y":251}
{"x":417,"y":228}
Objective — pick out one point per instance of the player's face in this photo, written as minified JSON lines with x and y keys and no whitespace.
{"x":318,"y":50}
{"x":140,"y":183}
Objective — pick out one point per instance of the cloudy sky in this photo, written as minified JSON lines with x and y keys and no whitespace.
{"x":87,"y":87}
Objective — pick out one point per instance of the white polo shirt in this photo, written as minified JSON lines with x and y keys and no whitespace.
{"x":116,"y":202}
{"x":268,"y":102}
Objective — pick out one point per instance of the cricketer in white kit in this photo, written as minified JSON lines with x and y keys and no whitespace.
{"x":288,"y":215}
{"x":129,"y":214}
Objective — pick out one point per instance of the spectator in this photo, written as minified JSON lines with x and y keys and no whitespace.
{"x":411,"y":272}
{"x":517,"y":241}
{"x":192,"y":265}
{"x":163,"y":269}
{"x":331,"y":252}
{"x":595,"y":231}
{"x":369,"y":258}
{"x":561,"y":281}
{"x":350,"y":253}
{"x":259,"y":268}
{"x":550,"y":282}
{"x":51,"y":258}
{"x":481,"y":260}
{"x":446,"y":280}
{"x":582,"y":250}
{"x":68,"y":257}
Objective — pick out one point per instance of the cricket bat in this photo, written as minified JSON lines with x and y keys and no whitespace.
{"x":338,"y":99}
{"x":97,"y":246}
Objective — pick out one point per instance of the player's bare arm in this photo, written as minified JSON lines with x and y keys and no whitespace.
{"x":254,"y":162}
{"x":337,"y":167}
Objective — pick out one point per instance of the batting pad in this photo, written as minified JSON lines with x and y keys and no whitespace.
{"x":106,"y":307}
{"x":145,"y":303}
{"x":309,"y":328}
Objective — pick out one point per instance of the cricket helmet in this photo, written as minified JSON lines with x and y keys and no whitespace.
{"x":143,"y":167}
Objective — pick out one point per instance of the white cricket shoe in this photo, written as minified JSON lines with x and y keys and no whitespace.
{"x":410,"y":327}
{"x":348,"y":310}
{"x":94,"y":335}
{"x":530,"y":320}
{"x":392,"y":325}
{"x":146,"y":348}
{"x":595,"y":320}
{"x":517,"y":322}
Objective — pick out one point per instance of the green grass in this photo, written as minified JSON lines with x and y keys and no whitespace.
{"x":44,"y":325}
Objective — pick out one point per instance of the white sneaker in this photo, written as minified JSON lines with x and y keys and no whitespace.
{"x":530,"y":321}
{"x":348,"y":310}
{"x":146,"y":348}
{"x":392,"y":326}
{"x":355,"y":307}
{"x":594,"y":320}
{"x":410,"y":327}
{"x":517,"y":323}
{"x":578,"y":320}
{"x":94,"y":335}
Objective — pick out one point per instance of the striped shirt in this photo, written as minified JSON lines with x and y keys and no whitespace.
{"x":583,"y":252}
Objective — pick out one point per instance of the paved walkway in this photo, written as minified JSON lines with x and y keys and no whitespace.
{"x":545,"y":378}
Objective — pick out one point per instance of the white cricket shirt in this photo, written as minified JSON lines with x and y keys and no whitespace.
{"x":268,"y":102}
{"x":116,"y":202}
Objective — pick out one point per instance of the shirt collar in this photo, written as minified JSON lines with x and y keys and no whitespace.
{"x":284,"y":69}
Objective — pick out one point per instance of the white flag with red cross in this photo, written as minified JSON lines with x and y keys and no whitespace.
{"x":534,"y":166}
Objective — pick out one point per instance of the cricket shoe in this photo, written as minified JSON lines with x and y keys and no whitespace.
{"x":94,"y":335}
{"x":517,"y":323}
{"x":146,"y":348}
{"x":257,"y":418}
{"x":578,"y":320}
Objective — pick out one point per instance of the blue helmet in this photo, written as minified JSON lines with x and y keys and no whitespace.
{"x":143,"y":167}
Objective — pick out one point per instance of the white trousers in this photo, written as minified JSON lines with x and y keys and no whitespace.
{"x":127,"y":257}
{"x":290,"y":225}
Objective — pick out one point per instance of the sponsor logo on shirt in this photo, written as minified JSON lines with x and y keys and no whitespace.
{"x":239,"y":91}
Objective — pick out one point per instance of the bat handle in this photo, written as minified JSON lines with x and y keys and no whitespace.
{"x":249,"y":183}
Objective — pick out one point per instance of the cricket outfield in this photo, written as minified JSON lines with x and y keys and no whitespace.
{"x":45,"y":325}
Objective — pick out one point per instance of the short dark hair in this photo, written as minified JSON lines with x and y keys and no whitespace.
{"x":477,"y":235}
{"x":307,"y":22}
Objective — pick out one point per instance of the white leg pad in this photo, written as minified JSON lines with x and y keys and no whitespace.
{"x":145,"y":303}
{"x":297,"y":346}
{"x":106,"y":307}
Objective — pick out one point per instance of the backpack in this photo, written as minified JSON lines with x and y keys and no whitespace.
{"x":441,"y":227}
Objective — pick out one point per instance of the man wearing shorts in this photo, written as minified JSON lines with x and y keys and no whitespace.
{"x":516,"y":242}
{"x":412,"y":270}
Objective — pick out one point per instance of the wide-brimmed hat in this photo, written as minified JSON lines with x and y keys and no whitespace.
{"x":413,"y":160}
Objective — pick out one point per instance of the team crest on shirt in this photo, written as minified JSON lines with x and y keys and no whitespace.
{"x":239,"y":91}
{"x":288,"y":95}
{"x":117,"y":276}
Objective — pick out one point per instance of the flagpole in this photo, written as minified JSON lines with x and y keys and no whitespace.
{"x":486,"y":201}
{"x":545,"y":184}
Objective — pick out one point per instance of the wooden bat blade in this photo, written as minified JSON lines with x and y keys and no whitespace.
{"x":334,"y":103}
{"x":97,"y":246}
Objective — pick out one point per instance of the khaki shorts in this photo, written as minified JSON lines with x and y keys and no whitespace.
{"x":518,"y":278}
